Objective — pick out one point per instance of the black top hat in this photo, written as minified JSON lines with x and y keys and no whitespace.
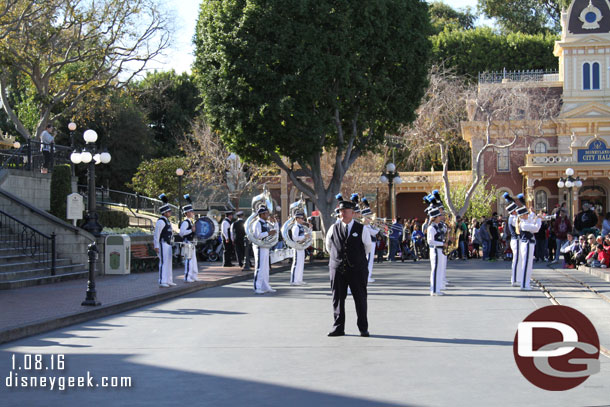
{"x":299,"y":215}
{"x":347,"y":205}
{"x":262,"y":209}
{"x":522,"y":211}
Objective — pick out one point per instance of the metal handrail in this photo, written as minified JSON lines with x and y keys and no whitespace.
{"x":32,"y":242}
{"x":148,"y":222}
{"x":535,"y":75}
{"x":29,"y":156}
{"x":133,"y":201}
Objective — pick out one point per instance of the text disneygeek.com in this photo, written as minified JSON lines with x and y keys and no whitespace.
{"x":26,"y":369}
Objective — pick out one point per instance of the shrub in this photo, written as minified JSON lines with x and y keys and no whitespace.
{"x":61,"y":187}
{"x":113,"y":219}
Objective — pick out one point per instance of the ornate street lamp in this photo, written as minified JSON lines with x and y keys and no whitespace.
{"x":391,"y":177}
{"x":570,"y":183}
{"x":91,"y":157}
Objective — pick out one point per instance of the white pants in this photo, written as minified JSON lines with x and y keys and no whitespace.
{"x":371,"y":257}
{"x":438,"y":265}
{"x":261,"y":268}
{"x":298,"y":262}
{"x":515,"y":274}
{"x":526,"y":252}
{"x":190,"y":268}
{"x":165,"y":264}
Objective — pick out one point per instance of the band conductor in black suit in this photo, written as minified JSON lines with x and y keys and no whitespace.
{"x":347,"y":243}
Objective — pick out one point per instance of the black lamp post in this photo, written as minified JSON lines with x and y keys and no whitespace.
{"x":570,"y":183}
{"x":180,"y":173}
{"x":391,"y":177}
{"x":90,"y":157}
{"x":72,"y":128}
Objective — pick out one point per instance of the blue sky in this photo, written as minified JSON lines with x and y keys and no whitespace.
{"x":180,"y":55}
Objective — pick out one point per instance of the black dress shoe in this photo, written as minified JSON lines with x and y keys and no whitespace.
{"x":336,"y":333}
{"x":365,"y":334}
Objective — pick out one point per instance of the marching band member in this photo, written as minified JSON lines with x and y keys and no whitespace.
{"x":511,"y":209}
{"x":436,"y":234}
{"x":262,"y":229}
{"x":187,"y":232}
{"x":163,"y":241}
{"x":528,"y":224}
{"x":298,"y":261}
{"x":373,"y":231}
{"x":227,"y":242}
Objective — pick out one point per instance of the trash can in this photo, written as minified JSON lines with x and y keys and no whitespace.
{"x":117,"y":254}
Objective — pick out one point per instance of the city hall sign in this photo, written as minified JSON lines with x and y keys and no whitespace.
{"x":596,"y":152}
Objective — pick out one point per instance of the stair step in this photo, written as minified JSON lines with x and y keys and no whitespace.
{"x":31,"y":265}
{"x":18,"y":256}
{"x":39,"y":273}
{"x":29,"y":282}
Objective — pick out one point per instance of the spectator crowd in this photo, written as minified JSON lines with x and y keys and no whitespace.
{"x":559,"y":240}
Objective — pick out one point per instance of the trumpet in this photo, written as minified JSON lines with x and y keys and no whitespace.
{"x":544,"y":217}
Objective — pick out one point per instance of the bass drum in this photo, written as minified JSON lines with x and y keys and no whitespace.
{"x":207,"y":228}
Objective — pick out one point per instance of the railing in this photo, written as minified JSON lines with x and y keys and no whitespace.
{"x":519,"y":76}
{"x":424,"y":177}
{"x":30,"y":241}
{"x":135,"y":202}
{"x":548,"y":159}
{"x":29,"y":156}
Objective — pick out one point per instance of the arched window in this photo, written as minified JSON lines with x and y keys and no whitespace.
{"x":541,"y":200}
{"x":540,"y":148}
{"x":504,"y":160}
{"x":591,"y":76}
{"x":586,"y":76}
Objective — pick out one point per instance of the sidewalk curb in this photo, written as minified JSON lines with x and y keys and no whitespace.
{"x":39,"y":327}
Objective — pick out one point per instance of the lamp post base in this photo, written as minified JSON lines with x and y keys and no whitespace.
{"x":90,"y":298}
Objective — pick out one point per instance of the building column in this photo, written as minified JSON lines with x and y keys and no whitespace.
{"x":529,"y":192}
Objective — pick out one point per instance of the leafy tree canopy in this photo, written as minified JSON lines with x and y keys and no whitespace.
{"x":158,"y":176}
{"x":443,"y":15}
{"x":469,"y":52}
{"x":292,"y":78}
{"x":525,"y":16}
{"x":170,"y":101}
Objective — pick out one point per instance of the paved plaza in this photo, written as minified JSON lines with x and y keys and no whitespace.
{"x":225,"y":346}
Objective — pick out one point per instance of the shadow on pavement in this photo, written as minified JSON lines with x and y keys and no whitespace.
{"x":445,"y":340}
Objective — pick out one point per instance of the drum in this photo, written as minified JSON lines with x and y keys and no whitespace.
{"x":207,"y":228}
{"x":189,"y":250}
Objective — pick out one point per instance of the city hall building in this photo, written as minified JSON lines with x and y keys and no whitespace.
{"x":576,"y":136}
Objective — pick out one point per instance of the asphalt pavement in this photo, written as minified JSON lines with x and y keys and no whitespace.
{"x":225,"y":346}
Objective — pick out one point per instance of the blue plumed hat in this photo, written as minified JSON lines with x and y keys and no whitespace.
{"x":165,"y":207}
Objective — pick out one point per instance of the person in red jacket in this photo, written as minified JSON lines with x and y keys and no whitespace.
{"x":599,"y":257}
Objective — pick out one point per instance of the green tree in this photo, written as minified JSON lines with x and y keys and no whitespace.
{"x":469,"y":52}
{"x":170,"y":102}
{"x":525,"y":16}
{"x":66,"y":49}
{"x":444,"y":16}
{"x":286,"y":80}
{"x":122,"y":128}
{"x":158,"y":176}
{"x":480,"y":204}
